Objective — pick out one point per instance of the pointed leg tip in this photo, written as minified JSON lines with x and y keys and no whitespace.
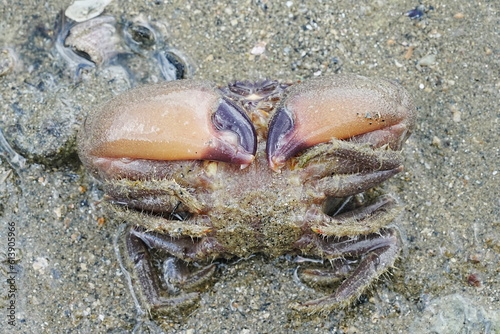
{"x":230,"y":154}
{"x":316,"y":306}
{"x":244,"y":159}
{"x":276,"y":163}
{"x":167,"y":306}
{"x":295,"y":306}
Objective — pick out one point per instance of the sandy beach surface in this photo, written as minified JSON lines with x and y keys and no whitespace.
{"x":64,"y":277}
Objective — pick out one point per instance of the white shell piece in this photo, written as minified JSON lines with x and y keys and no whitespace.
{"x":83,"y":10}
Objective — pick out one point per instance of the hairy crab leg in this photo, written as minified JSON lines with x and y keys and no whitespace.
{"x":178,"y":275}
{"x":341,"y":268}
{"x":149,"y":281}
{"x":153,"y":196}
{"x":380,"y":251}
{"x":351,"y":184}
{"x":363,"y":220}
{"x":185,"y":248}
{"x":340,"y":168}
{"x":196,"y":226}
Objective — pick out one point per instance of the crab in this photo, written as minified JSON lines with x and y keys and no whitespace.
{"x":201,"y":172}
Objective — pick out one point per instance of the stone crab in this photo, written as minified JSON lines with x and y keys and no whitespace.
{"x":202,"y":172}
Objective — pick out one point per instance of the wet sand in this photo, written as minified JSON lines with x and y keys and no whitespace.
{"x":66,"y":273}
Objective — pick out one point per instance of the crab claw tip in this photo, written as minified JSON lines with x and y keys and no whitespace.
{"x":237,"y":137}
{"x":280,"y":142}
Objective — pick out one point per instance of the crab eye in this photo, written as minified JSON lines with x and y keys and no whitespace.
{"x":182,"y":120}
{"x":338,"y":107}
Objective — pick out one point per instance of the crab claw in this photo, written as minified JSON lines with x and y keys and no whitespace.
{"x":366,"y":110}
{"x":181,"y":120}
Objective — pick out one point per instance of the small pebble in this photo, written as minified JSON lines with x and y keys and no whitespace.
{"x":474,"y":280}
{"x":456,"y":114}
{"x":259,"y":48}
{"x":428,"y":60}
{"x":436,"y":142}
{"x":59,"y":211}
{"x":409,"y":52}
{"x":40,"y":264}
{"x":7,"y":61}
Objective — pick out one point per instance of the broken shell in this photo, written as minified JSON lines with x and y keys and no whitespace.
{"x":140,"y":35}
{"x":96,"y":40}
{"x":174,"y":65}
{"x":427,"y":61}
{"x":83,"y":10}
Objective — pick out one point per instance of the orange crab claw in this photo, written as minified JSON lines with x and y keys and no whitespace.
{"x":375,"y":111}
{"x":180,"y":120}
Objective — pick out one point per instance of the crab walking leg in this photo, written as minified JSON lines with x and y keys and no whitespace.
{"x":381,"y":252}
{"x":341,"y":157}
{"x":178,"y":276}
{"x":144,"y":271}
{"x":198,"y":226}
{"x":351,"y":184}
{"x":340,"y":169}
{"x":185,"y":247}
{"x":363,"y":220}
{"x":152,"y":196}
{"x":341,"y":268}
